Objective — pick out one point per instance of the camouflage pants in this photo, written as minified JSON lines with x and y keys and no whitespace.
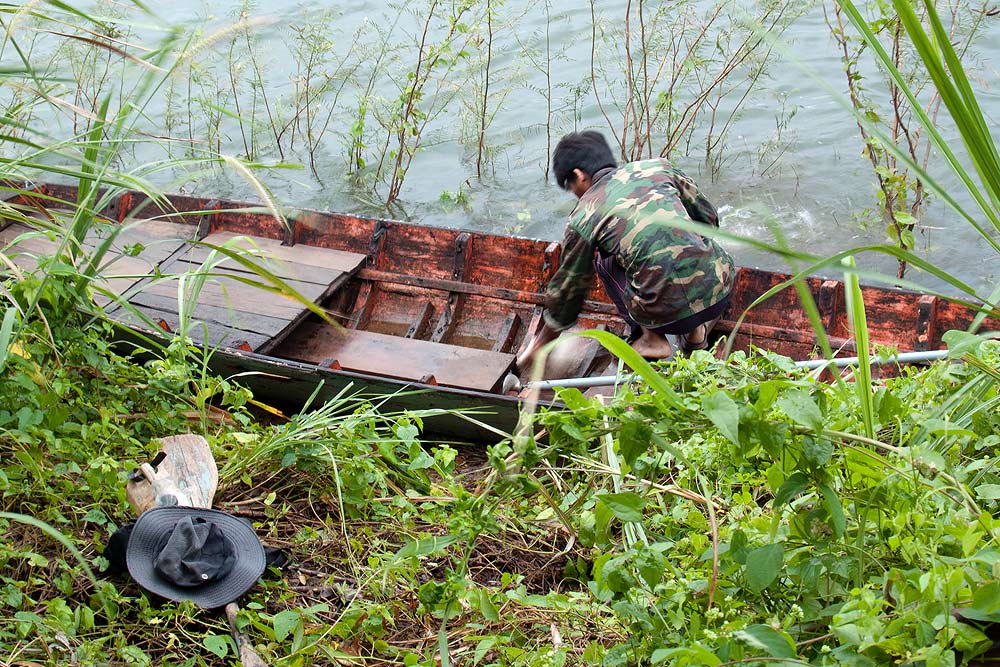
{"x":614,"y":280}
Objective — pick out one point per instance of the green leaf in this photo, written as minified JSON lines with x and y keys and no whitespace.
{"x":961,"y":342}
{"x":802,"y":409}
{"x":633,"y":438}
{"x":6,"y":329}
{"x":487,"y":608}
{"x":217,"y":644}
{"x":763,"y":566}
{"x":427,"y":545}
{"x":692,"y":655}
{"x":626,"y":506}
{"x":985,"y":604}
{"x":793,"y":486}
{"x":988,"y":491}
{"x":96,"y":515}
{"x":722,"y":410}
{"x":776,"y":644}
{"x":817,"y":450}
{"x":834,"y":508}
{"x":285,"y":623}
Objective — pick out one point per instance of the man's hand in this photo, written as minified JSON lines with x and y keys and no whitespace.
{"x":526,"y":359}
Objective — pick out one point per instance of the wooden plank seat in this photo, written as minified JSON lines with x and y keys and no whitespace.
{"x":145,"y":259}
{"x":404,"y":358}
{"x":133,"y":250}
{"x":233,"y":313}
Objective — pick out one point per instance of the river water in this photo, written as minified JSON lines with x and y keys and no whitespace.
{"x":813,"y":182}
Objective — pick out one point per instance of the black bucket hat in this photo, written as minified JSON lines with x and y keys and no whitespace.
{"x":189,"y":553}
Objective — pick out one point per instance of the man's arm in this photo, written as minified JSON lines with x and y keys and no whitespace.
{"x":566,"y":292}
{"x":698,"y":208}
{"x":564,"y":296}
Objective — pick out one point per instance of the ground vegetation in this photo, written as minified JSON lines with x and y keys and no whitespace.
{"x":709,"y":513}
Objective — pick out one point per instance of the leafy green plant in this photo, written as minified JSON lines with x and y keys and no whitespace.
{"x":902,"y":196}
{"x":944,"y":68}
{"x":422,"y":93}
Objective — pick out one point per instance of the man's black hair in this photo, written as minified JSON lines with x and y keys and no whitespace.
{"x":587,"y":151}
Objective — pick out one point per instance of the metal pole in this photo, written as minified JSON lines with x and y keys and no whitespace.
{"x":840,"y":362}
{"x":901,"y":358}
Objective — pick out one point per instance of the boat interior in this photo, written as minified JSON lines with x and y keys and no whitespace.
{"x":418,"y":304}
{"x":424,"y":305}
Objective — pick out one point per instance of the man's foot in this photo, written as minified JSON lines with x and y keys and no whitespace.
{"x":696,"y":339}
{"x":652,"y":346}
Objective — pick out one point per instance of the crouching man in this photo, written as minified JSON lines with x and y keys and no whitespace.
{"x":663,"y":280}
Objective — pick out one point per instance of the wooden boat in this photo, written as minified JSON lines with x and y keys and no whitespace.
{"x":431,"y":315}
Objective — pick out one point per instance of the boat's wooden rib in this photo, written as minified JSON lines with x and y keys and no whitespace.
{"x":430,"y":308}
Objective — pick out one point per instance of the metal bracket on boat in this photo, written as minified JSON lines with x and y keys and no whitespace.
{"x":461,"y":256}
{"x":829,"y":303}
{"x":455,"y":299}
{"x":288,"y":237}
{"x":553,"y":253}
{"x":377,"y":240}
{"x":926,"y":318}
{"x":205,"y":220}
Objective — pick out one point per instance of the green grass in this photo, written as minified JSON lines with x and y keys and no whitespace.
{"x":711,"y":513}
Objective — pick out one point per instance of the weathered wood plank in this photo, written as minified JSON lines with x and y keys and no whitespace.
{"x":133,"y":254}
{"x":23,"y":247}
{"x":399,"y":357}
{"x":224,"y":292}
{"x":227,"y":317}
{"x":300,"y":255}
{"x":217,"y":335}
{"x":195,"y":258}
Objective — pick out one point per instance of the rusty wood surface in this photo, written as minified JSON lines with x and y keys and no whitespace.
{"x":217,"y":334}
{"x":500,"y":293}
{"x":419,"y":326}
{"x":367,"y":296}
{"x":508,"y":333}
{"x":399,"y":357}
{"x":760,"y":334}
{"x":134,"y":253}
{"x":295,"y":261}
{"x":136,"y":204}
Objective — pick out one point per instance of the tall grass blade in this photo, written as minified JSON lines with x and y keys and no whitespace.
{"x":616,"y":346}
{"x":859,"y":324}
{"x":947,"y":91}
{"x":6,"y":335}
{"x":961,"y":100}
{"x":52,"y":532}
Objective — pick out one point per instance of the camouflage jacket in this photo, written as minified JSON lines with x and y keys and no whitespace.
{"x":627,"y":213}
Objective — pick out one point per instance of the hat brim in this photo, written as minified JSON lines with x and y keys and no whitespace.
{"x":148,"y":535}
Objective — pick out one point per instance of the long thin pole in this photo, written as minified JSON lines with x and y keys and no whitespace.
{"x":840,"y":362}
